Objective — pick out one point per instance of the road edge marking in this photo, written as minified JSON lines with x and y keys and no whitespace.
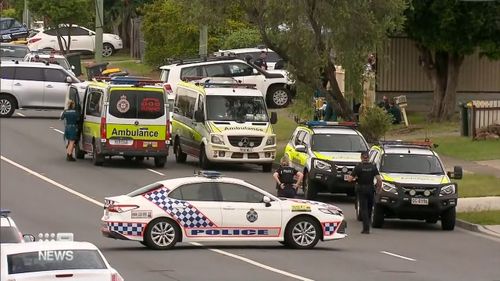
{"x":156,"y":172}
{"x":20,"y":114}
{"x":57,"y":130}
{"x":397,"y":256}
{"x":44,"y":178}
{"x":252,"y":262}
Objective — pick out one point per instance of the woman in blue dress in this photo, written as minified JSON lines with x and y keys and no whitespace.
{"x":71,"y":117}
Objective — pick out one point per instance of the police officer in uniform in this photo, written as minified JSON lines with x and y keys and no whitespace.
{"x":285,"y":179}
{"x":364,"y":174}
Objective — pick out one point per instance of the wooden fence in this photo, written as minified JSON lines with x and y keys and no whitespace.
{"x":483,"y":114}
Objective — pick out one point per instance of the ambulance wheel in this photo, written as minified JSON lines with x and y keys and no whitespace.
{"x":160,"y":161}
{"x":204,"y":162}
{"x":80,"y":154}
{"x":266,"y":168}
{"x":302,"y":232}
{"x":378,"y":216}
{"x":448,"y":218}
{"x":180,"y":157}
{"x":139,"y":158}
{"x":162,"y":234}
{"x":310,"y":189}
{"x":97,"y":158}
{"x":7,"y":105}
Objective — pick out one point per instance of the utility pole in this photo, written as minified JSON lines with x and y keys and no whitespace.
{"x":203,"y":41}
{"x":99,"y":10}
{"x":26,"y":14}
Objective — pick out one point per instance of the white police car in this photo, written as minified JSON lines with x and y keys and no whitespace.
{"x":9,"y":233}
{"x":56,"y":259}
{"x":208,"y":207}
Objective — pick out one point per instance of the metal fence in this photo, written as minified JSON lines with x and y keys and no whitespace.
{"x":484,"y":113}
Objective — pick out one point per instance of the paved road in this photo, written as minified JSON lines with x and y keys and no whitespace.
{"x":401,"y":251}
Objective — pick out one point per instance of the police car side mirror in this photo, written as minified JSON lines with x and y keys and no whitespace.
{"x":69,"y":79}
{"x":266,"y":201}
{"x":457,"y":173}
{"x":274,"y":118}
{"x":29,"y":238}
{"x":301,"y":148}
{"x":73,"y":67}
{"x":198,"y":116}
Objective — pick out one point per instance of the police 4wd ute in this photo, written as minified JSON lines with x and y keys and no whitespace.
{"x":209,"y":207}
{"x":326,"y":153}
{"x":124,"y":119}
{"x":415,"y":185}
{"x":220,"y":122}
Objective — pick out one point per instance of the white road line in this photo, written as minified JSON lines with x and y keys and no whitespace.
{"x":397,"y":256}
{"x":156,"y":172}
{"x":20,"y":114}
{"x":63,"y":187}
{"x":252,"y":262}
{"x":85,"y":197}
{"x":57,"y":130}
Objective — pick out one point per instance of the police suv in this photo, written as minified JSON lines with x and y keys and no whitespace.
{"x":415,"y":184}
{"x":209,"y":207}
{"x":216,"y":121}
{"x":326,"y":152}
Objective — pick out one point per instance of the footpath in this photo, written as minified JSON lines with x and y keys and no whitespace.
{"x":491,"y":167}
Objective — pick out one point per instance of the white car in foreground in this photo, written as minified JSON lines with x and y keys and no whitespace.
{"x":209,"y":207}
{"x":54,"y":260}
{"x":82,"y":39}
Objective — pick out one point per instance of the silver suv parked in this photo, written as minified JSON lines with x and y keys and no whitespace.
{"x":33,"y":85}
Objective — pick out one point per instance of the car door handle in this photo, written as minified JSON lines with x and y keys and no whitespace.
{"x":49,"y":86}
{"x":74,"y":40}
{"x":228,"y":208}
{"x":17,"y":84}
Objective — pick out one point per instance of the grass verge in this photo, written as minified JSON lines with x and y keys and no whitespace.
{"x":136,"y":68}
{"x":467,"y":149}
{"x":475,"y":185}
{"x":483,"y":217}
{"x":283,"y":130}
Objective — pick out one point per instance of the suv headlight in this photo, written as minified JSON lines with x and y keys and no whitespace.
{"x":389,"y":187}
{"x":271,"y":140}
{"x":217,"y":139}
{"x":447,"y":190}
{"x":322,"y":165}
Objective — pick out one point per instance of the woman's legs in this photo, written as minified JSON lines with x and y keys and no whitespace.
{"x":70,"y":148}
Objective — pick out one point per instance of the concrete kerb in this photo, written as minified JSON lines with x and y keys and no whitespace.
{"x":476,"y":228}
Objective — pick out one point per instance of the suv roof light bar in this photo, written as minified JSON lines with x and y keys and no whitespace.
{"x":227,"y":85}
{"x":425,"y":143}
{"x":330,"y":123}
{"x":196,"y":60}
{"x":208,"y":174}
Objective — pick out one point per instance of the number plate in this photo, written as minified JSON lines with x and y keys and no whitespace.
{"x":121,"y":142}
{"x":149,"y":144}
{"x":246,"y":149}
{"x":420,"y":201}
{"x":346,"y":177}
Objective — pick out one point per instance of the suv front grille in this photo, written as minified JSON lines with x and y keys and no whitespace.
{"x":245,"y":141}
{"x":340,"y":167}
{"x":419,"y":191}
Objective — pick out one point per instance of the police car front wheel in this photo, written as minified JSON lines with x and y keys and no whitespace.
{"x":162,"y":234}
{"x":302,"y":233}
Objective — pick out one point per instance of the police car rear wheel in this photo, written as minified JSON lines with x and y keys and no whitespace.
{"x":302,"y":233}
{"x":448,"y":219}
{"x":161,"y":234}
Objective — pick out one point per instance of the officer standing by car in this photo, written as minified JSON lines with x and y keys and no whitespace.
{"x":285,"y":177}
{"x":364,"y":174}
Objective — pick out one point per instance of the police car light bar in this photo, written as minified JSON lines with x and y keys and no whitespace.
{"x":424,"y":143}
{"x":62,"y":236}
{"x":330,"y":123}
{"x":209,"y":174}
{"x":4,"y":212}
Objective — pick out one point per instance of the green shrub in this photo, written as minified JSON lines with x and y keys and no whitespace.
{"x":243,"y":38}
{"x":374,"y":123}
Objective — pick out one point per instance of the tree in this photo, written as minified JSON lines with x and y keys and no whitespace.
{"x":57,"y":12}
{"x":242,"y":38}
{"x":314,"y":36}
{"x":445,"y":32}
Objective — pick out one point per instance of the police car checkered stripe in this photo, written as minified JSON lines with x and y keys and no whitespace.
{"x":186,"y":214}
{"x":329,"y":228}
{"x":127,"y":228}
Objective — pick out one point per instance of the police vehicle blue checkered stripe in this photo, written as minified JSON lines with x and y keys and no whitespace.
{"x":186,"y":214}
{"x":329,"y":228}
{"x":127,"y":228}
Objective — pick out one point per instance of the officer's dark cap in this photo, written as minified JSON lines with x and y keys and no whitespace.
{"x":364,"y":154}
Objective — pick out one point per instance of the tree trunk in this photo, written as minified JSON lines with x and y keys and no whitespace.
{"x":335,"y":97}
{"x":450,"y":96}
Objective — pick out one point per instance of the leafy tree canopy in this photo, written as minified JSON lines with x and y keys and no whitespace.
{"x":63,"y":12}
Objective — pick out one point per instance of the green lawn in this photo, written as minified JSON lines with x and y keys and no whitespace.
{"x":483,"y":217}
{"x":474,"y":185}
{"x":135,"y":68}
{"x":283,"y":130}
{"x":467,"y":149}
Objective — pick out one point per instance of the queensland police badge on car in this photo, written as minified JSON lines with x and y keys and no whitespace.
{"x":252,"y":215}
{"x":123,"y":105}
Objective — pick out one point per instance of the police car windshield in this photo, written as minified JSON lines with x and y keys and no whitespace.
{"x":48,"y":260}
{"x":411,"y":164}
{"x":236,"y":108}
{"x":338,"y":143}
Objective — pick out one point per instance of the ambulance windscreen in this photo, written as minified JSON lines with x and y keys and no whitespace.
{"x":236,"y":108}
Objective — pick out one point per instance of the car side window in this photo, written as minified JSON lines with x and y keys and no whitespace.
{"x":190,"y":72}
{"x":232,"y":192}
{"x":29,"y":73}
{"x":202,"y":191}
{"x":93,"y":107}
{"x":200,"y":104}
{"x":54,"y":75}
{"x":7,"y":72}
{"x":51,"y":32}
{"x":185,"y":105}
{"x":240,"y":69}
{"x":77,"y":31}
{"x":299,"y":137}
{"x":307,"y":139}
{"x":215,"y":70}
